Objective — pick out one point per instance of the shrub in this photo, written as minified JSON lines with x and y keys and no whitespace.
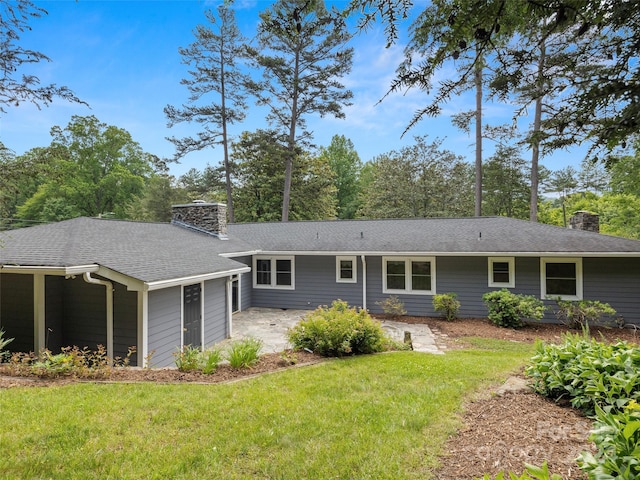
{"x":210,"y":359}
{"x":188,"y":359}
{"x":580,"y":314}
{"x":244,"y":353}
{"x":71,"y":361}
{"x":338,"y":330}
{"x":617,"y":438}
{"x":532,"y":472}
{"x":507,"y":309}
{"x":448,"y":304}
{"x":588,"y":372}
{"x":3,"y":343}
{"x":392,"y":307}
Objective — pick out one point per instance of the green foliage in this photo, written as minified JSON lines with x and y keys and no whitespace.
{"x":3,"y":343}
{"x":244,"y":353}
{"x":507,"y":309}
{"x":211,"y":358}
{"x":448,"y":304}
{"x":532,"y":472}
{"x":188,"y":359}
{"x":345,"y":165}
{"x":588,"y":372}
{"x":337,"y":331}
{"x":582,"y":313}
{"x":617,"y":438}
{"x":71,"y":361}
{"x":392,"y":306}
{"x":505,"y":184}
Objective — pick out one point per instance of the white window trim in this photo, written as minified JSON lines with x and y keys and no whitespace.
{"x":543,"y":277}
{"x":272,"y":259}
{"x":354,"y":263}
{"x":512,"y":272}
{"x":407,"y":269}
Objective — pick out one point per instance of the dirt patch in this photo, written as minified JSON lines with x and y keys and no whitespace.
{"x":499,"y":432}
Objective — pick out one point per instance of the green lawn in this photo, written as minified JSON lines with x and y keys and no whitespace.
{"x":379,"y":416}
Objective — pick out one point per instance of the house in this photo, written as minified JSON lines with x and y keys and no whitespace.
{"x":161,"y":286}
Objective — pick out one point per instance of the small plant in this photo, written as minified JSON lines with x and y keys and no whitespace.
{"x":507,"y":309}
{"x":532,"y":472}
{"x":448,"y":304}
{"x":210,"y":359}
{"x":289,"y":357}
{"x":3,"y":343}
{"x":617,"y":438}
{"x":392,"y":307}
{"x":338,"y":330}
{"x":244,"y":353}
{"x":188,"y":359}
{"x":580,"y":314}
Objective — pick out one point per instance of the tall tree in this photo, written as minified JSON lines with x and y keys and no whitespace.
{"x":259,"y":158}
{"x":214,"y":57}
{"x":301,"y":52}
{"x":505,"y":183}
{"x":346,"y":165}
{"x":15,"y":89}
{"x":419,"y":181}
{"x":99,"y":170}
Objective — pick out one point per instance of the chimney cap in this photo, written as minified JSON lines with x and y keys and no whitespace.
{"x":200,"y":203}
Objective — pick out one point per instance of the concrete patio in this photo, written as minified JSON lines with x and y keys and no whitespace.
{"x":270,"y":325}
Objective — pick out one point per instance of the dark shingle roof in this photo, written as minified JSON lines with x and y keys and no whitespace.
{"x":492,"y":235}
{"x":146,"y":251}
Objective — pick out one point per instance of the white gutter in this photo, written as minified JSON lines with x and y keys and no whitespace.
{"x":109,"y":290}
{"x":174,"y":282}
{"x":364,"y":282}
{"x":62,"y":271}
{"x":415,"y":253}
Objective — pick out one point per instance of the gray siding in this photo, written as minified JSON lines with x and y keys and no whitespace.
{"x":246,"y":285}
{"x":164,"y":325}
{"x":215,"y":310}
{"x":16,"y":310}
{"x":315,"y":284}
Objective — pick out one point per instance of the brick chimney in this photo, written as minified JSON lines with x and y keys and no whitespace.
{"x":204,"y":217}
{"x":582,"y":220}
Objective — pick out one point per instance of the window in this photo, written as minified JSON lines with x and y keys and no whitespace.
{"x":414,"y":275}
{"x":561,"y":278}
{"x":502,"y":272}
{"x":346,"y":270}
{"x":273,"y":272}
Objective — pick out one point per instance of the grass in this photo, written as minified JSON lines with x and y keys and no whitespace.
{"x":381,"y":416}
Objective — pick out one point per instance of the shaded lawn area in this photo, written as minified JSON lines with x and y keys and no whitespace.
{"x":376,"y":416}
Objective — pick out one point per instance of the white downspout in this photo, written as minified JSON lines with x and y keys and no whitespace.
{"x":228,"y":291}
{"x":109,"y":289}
{"x":364,"y":282}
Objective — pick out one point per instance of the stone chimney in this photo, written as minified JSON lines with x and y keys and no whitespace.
{"x":582,"y":220}
{"x":204,"y":217}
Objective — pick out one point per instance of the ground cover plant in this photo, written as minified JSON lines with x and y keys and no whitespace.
{"x":374,"y":416}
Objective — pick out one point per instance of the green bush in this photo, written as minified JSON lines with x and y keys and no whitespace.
{"x":617,"y":438}
{"x":507,"y":309}
{"x":338,"y":330}
{"x":532,"y":472}
{"x":188,"y":359}
{"x":587,"y":372}
{"x":3,"y":343}
{"x":244,"y":353}
{"x":392,"y":307}
{"x":579,"y":314}
{"x":211,"y":358}
{"x":448,"y":304}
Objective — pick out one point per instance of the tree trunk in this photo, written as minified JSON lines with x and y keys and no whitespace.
{"x":291,"y":142}
{"x":225,"y":141}
{"x":535,"y":138}
{"x":478,"y":195}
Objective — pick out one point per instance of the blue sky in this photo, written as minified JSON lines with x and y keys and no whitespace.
{"x":121,"y":57}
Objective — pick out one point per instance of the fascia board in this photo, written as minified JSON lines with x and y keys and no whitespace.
{"x":46,"y":270}
{"x":174,"y":282}
{"x":409,"y":253}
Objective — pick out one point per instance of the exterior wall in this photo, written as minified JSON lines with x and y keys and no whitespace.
{"x":215,"y":311}
{"x":125,"y":322}
{"x":165,"y":336}
{"x":315,"y":284}
{"x":612,"y":280}
{"x":246,"y":285}
{"x":16,"y":310}
{"x":54,"y":312}
{"x":85,"y":314}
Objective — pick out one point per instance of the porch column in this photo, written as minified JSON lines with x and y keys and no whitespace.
{"x":229,"y":289}
{"x":364,"y":282}
{"x":39,"y":335}
{"x":143,"y":328}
